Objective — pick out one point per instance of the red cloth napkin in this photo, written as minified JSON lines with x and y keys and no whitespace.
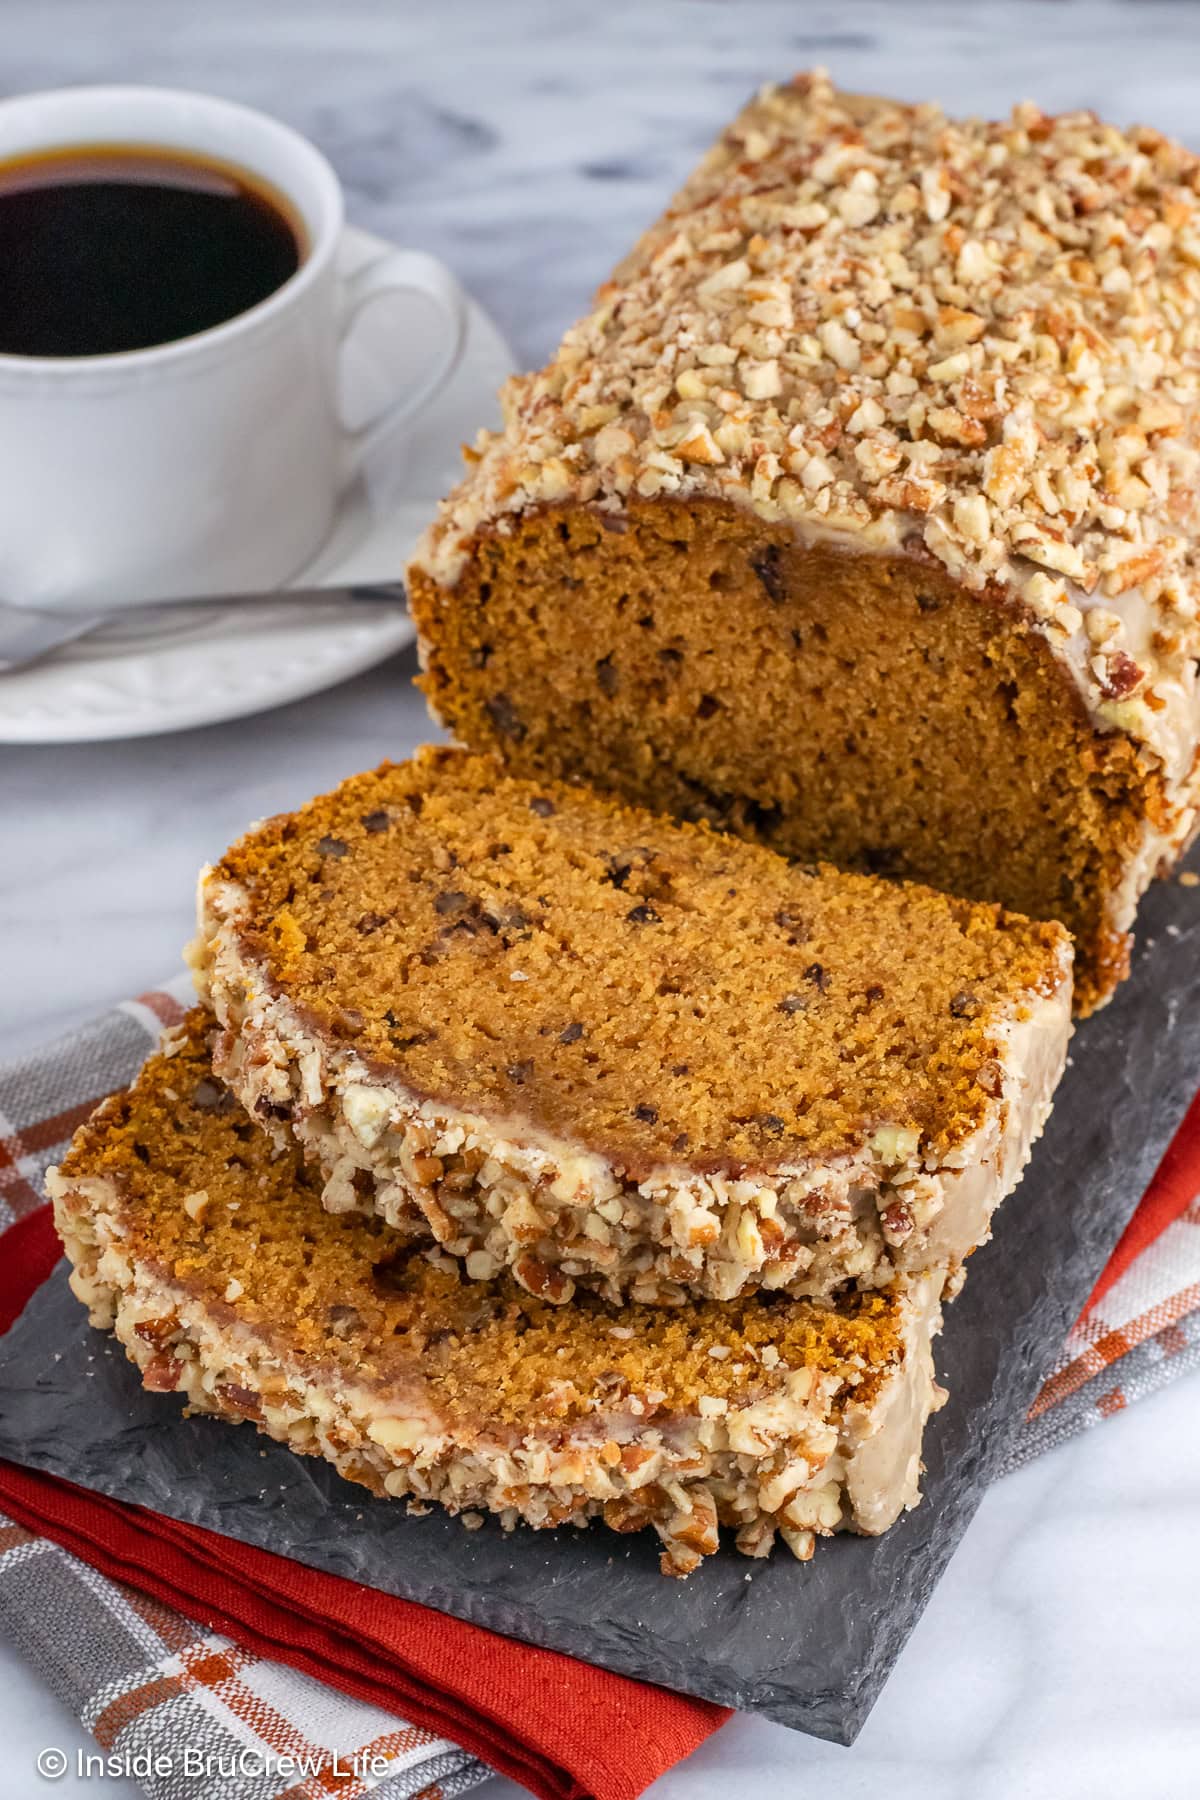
{"x":1173,"y":1190}
{"x":561,"y":1728}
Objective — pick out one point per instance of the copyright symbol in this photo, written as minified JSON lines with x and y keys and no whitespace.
{"x":52,"y":1763}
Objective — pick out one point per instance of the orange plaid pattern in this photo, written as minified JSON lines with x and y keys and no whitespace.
{"x":166,"y":1682}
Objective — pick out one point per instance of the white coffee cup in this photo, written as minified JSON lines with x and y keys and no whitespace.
{"x":213,"y":463}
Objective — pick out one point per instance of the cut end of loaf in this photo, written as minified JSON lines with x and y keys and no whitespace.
{"x":861,"y":708}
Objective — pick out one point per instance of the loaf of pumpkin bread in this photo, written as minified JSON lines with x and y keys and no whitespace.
{"x":859,"y":514}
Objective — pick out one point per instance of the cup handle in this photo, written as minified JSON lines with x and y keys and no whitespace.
{"x":404,"y":272}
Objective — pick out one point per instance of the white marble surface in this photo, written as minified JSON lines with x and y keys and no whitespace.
{"x":524,"y":141}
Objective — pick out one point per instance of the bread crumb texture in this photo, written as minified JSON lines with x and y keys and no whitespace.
{"x":658,"y":992}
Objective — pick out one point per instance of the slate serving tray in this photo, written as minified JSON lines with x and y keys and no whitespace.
{"x":809,"y":1645}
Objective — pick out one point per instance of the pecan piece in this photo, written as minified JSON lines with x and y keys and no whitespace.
{"x":546,"y":1283}
{"x":1121,"y":676}
{"x":162,"y":1372}
{"x":241,"y":1399}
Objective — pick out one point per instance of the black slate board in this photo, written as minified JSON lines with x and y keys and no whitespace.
{"x":809,"y":1645}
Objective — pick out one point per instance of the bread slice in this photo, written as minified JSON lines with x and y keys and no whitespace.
{"x":209,"y":1254}
{"x":607,"y":1050}
{"x":860,"y":514}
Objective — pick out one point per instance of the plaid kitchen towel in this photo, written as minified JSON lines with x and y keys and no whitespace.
{"x":145,"y":1680}
{"x":188,"y":1713}
{"x":291,"y":1687}
{"x":1141,"y":1327}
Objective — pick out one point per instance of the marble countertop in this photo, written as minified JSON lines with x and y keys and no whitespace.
{"x":525,"y":141}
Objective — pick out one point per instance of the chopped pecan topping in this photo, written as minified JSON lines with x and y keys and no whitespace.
{"x":241,"y":1400}
{"x":864,"y":319}
{"x":897,"y":1219}
{"x":547,"y":1283}
{"x":157,"y":1331}
{"x":1121,"y":676}
{"x":162,"y":1373}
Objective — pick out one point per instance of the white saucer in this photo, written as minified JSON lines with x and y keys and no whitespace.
{"x":200,"y":668}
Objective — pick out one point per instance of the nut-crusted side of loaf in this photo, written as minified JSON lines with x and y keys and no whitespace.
{"x":600,"y":1048}
{"x":208,"y":1254}
{"x":859,"y":515}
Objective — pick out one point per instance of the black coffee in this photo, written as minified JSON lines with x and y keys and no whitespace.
{"x":109,"y":247}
